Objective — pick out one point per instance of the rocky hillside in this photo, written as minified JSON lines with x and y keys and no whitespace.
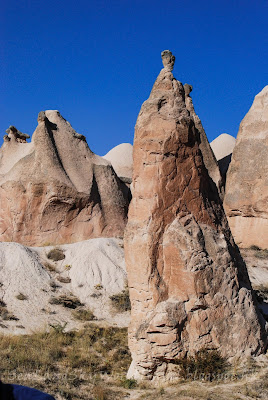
{"x":55,"y":189}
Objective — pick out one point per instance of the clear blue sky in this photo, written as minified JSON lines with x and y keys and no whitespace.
{"x":96,"y":61}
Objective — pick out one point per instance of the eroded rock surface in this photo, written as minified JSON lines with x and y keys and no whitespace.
{"x":246,"y":200}
{"x":55,"y":189}
{"x":209,"y":158}
{"x":189,"y":287}
{"x":223,"y":147}
{"x":90,"y":272}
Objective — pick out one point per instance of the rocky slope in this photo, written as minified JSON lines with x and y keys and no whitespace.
{"x":38,"y":288}
{"x":246,"y":199}
{"x":55,"y":189}
{"x":189,"y":287}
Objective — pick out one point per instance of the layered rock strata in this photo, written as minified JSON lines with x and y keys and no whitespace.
{"x":55,"y":189}
{"x":246,"y":200}
{"x":189,"y":287}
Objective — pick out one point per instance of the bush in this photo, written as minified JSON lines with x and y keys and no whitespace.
{"x":121,"y":301}
{"x":50,"y":267}
{"x":63,"y":279}
{"x":68,"y":301}
{"x":128,"y":383}
{"x":83,"y":315}
{"x":206,"y":364}
{"x":55,"y":254}
{"x":21,"y":296}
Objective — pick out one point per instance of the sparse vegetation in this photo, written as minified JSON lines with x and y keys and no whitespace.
{"x":121,"y":301}
{"x":67,"y":267}
{"x":68,"y":301}
{"x":259,"y":253}
{"x":98,"y":286}
{"x":206,"y":364}
{"x":50,"y":267}
{"x":92,"y":349}
{"x":83,"y":314}
{"x":56,"y":254}
{"x":63,"y":279}
{"x":21,"y":296}
{"x":5,"y":314}
{"x":128,"y":383}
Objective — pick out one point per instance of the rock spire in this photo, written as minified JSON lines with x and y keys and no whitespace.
{"x":189,"y":287}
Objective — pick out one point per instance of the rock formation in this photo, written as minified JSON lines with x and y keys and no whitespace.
{"x":55,"y":189}
{"x":246,"y":200}
{"x":121,"y":158}
{"x":223,"y":147}
{"x":204,"y":146}
{"x":189,"y":287}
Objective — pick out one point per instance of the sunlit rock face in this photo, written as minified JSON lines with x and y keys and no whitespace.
{"x":55,"y":189}
{"x":189,"y":287}
{"x":246,"y":200}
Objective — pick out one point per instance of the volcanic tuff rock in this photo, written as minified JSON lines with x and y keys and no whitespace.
{"x":223,"y":147}
{"x":189,"y":287}
{"x":207,"y":153}
{"x":55,"y":189}
{"x":246,"y":200}
{"x":121,"y":158}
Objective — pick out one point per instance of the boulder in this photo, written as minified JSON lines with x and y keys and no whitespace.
{"x":246,"y":199}
{"x":55,"y":189}
{"x":189,"y":286}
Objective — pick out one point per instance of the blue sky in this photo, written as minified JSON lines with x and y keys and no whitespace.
{"x":96,"y":61}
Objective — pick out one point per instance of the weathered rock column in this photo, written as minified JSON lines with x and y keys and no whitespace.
{"x":189,"y":287}
{"x":246,"y":200}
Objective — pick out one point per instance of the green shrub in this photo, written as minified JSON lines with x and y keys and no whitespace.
{"x":128,"y":383}
{"x":206,"y":364}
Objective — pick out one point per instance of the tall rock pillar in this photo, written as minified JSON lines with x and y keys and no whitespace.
{"x":189,"y":287}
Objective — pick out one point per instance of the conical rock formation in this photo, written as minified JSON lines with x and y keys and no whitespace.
{"x":55,"y":189}
{"x":246,"y":200}
{"x":189,"y":287}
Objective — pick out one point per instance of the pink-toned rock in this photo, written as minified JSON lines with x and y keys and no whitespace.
{"x":246,"y":199}
{"x":55,"y":189}
{"x":189,"y":287}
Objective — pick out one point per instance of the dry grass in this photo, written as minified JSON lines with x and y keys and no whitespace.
{"x":121,"y":301}
{"x":83,"y":314}
{"x":70,"y":364}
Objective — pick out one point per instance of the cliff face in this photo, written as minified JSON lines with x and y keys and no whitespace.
{"x":189,"y":287}
{"x":55,"y":189}
{"x":246,"y":200}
